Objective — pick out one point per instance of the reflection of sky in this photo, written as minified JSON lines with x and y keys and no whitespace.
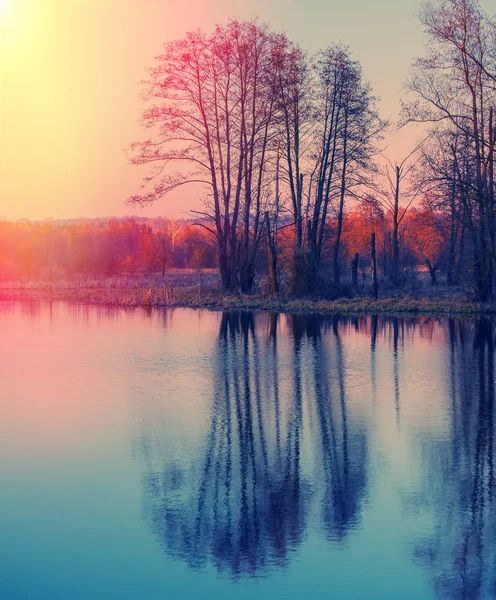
{"x":91,"y":400}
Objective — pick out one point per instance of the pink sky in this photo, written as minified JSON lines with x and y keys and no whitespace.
{"x":69,"y":93}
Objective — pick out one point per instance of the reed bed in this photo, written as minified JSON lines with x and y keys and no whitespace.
{"x":190,"y":289}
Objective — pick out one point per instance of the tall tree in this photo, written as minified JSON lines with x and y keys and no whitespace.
{"x":340,"y":125}
{"x":397,"y":194}
{"x":453,"y":87}
{"x":437,"y":176}
{"x":296,"y":121}
{"x":210,"y":105}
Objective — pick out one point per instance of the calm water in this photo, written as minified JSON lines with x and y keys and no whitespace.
{"x":187,"y":454}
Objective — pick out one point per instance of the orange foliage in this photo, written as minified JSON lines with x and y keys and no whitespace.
{"x":58,"y":248}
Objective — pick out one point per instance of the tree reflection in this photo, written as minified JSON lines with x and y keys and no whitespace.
{"x":286,"y":450}
{"x":342,"y":449}
{"x":247,"y":507}
{"x":461,"y":554}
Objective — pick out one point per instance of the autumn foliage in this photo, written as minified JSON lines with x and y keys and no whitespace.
{"x":54,"y":249}
{"x":115,"y":246}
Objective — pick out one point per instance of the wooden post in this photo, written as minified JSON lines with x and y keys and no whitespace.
{"x":374,"y":268}
{"x":354,"y":272}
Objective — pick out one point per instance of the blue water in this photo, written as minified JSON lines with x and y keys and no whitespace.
{"x":196,"y":454}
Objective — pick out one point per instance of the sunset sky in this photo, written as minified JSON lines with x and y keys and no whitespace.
{"x":69,"y":93}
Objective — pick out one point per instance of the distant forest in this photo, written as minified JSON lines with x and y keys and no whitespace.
{"x":61,"y":248}
{"x":55,"y":249}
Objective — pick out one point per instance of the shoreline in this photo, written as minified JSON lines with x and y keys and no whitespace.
{"x":193,"y":297}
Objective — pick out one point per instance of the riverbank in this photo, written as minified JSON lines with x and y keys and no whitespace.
{"x":176,"y":290}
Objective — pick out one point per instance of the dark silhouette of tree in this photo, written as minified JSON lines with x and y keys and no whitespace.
{"x":452,"y":88}
{"x":211,"y":102}
{"x":459,"y":476}
{"x":244,"y":507}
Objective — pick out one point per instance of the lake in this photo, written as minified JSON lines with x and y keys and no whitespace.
{"x":195,"y":454}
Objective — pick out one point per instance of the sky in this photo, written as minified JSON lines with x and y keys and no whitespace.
{"x":69,"y":91}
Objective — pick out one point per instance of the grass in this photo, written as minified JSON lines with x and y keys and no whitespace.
{"x":182,"y":288}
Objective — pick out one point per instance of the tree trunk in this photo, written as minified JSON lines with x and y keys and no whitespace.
{"x":337,"y":244}
{"x":491,"y":191}
{"x":432,"y":271}
{"x":374,"y":268}
{"x":461,"y":255}
{"x":453,"y":235}
{"x":396,"y":246}
{"x":271,"y":257}
{"x":354,"y":273}
{"x":227,"y":274}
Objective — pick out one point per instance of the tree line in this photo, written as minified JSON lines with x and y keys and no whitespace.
{"x":153,"y":246}
{"x":106,"y":247}
{"x":284,"y":145}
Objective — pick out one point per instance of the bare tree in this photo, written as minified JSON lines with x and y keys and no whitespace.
{"x":338,"y":124}
{"x":399,"y":185}
{"x":437,"y":175}
{"x":165,"y":239}
{"x":453,"y":87}
{"x":296,"y":119}
{"x":210,"y":105}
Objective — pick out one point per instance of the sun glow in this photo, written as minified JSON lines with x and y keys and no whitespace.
{"x":5,"y":9}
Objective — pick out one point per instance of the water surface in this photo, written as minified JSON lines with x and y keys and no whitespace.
{"x":196,"y":454}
